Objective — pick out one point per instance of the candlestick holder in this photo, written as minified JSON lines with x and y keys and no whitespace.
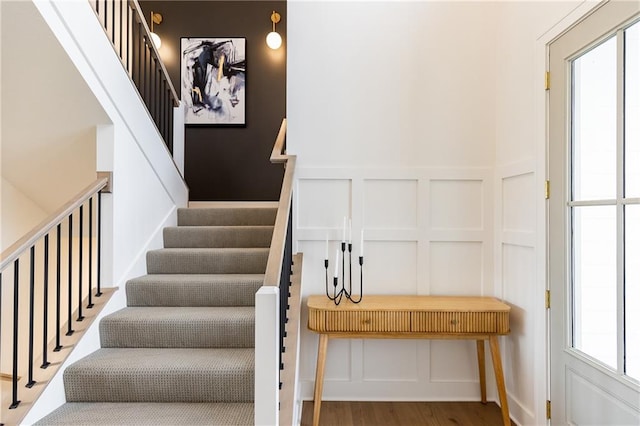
{"x":338,"y":294}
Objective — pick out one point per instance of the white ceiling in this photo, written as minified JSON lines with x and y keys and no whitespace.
{"x":49,"y":114}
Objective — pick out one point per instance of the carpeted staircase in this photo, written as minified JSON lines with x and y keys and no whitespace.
{"x":182,"y":351}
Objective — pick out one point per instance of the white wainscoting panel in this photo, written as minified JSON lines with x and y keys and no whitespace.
{"x":325,"y":202}
{"x":456,"y":268}
{"x":606,"y":409}
{"x":518,"y":283}
{"x":456,"y":204}
{"x":390,"y":360}
{"x":390,"y":204}
{"x":518,"y":206}
{"x":518,"y":268}
{"x":426,"y":231}
{"x":390,"y":267}
{"x":460,"y":354}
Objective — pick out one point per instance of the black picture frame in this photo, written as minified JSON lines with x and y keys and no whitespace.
{"x":213,"y":80}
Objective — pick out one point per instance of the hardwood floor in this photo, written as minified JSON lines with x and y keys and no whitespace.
{"x":404,"y":413}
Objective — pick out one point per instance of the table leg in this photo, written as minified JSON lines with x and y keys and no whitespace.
{"x":481,"y":369}
{"x":497,"y":368}
{"x":317,"y":393}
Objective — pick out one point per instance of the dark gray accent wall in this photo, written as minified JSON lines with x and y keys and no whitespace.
{"x":231,"y":163}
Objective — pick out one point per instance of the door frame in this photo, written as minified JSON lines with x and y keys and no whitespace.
{"x":542,"y":385}
{"x":559,"y":182}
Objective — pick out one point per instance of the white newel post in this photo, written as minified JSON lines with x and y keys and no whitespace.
{"x":267,"y":368}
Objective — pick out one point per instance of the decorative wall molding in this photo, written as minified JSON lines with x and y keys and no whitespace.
{"x":426,"y":231}
{"x":515,"y":274}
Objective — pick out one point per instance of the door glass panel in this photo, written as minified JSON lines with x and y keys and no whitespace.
{"x":632,"y":110}
{"x":594,"y":282}
{"x":632,"y":290}
{"x":594,"y":123}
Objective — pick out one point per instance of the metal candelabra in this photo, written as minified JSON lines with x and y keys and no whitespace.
{"x":337,"y":295}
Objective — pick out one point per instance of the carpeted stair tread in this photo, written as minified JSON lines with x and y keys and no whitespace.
{"x":207,"y":261}
{"x":162,"y":375}
{"x":230,"y":216}
{"x":151,"y":413}
{"x":179,"y":327}
{"x":194,"y":289}
{"x":182,"y":351}
{"x":217,"y":236}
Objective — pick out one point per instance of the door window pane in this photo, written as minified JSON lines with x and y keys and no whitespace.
{"x":594,"y":123}
{"x":595,"y":282}
{"x":632,"y":110}
{"x":632,"y":290}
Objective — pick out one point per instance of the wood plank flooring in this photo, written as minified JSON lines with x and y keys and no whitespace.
{"x":404,"y":413}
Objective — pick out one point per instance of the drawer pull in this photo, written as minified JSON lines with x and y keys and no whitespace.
{"x":367,"y":321}
{"x":454,"y":322}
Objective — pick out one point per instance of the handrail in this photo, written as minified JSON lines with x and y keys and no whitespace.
{"x":42,"y":229}
{"x":34,"y":248}
{"x":278,"y":240}
{"x":279,"y":147}
{"x":273,"y":297}
{"x":136,"y":7}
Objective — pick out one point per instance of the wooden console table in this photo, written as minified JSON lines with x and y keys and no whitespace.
{"x":413,"y":317}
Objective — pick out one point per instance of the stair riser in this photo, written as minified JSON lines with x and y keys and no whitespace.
{"x":207,"y":261}
{"x":214,"y":237}
{"x":168,"y":386}
{"x":237,"y":334}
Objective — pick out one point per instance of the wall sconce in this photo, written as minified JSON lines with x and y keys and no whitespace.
{"x":274,"y":41}
{"x":156,"y":18}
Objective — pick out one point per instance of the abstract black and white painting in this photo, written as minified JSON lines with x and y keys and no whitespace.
{"x":213,"y":80}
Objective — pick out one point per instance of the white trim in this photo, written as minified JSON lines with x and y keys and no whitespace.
{"x":267,"y":356}
{"x":620,"y":225}
{"x":542,"y":388}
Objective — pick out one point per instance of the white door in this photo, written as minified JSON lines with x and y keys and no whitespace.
{"x":594,"y":219}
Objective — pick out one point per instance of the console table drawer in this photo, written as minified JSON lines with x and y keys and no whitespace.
{"x":359,"y":321}
{"x":460,"y":322}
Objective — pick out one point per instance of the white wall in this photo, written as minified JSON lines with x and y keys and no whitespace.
{"x":18,"y":213}
{"x":48,"y":118}
{"x":425,"y":123}
{"x":390,"y":84}
{"x":147,"y":185}
{"x":48,"y":113}
{"x":391,"y":111}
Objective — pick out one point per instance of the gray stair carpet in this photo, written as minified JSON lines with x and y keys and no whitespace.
{"x":152,"y":413}
{"x":194,"y":290}
{"x":207,"y":261}
{"x":182,"y":351}
{"x":217,"y":236}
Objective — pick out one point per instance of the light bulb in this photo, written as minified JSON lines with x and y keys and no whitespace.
{"x":156,"y":40}
{"x":274,"y":41}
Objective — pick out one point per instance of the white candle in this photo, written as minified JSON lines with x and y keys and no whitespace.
{"x":335,"y":274}
{"x":362,"y":243}
{"x":350,"y":231}
{"x":326,"y":247}
{"x":344,"y":228}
